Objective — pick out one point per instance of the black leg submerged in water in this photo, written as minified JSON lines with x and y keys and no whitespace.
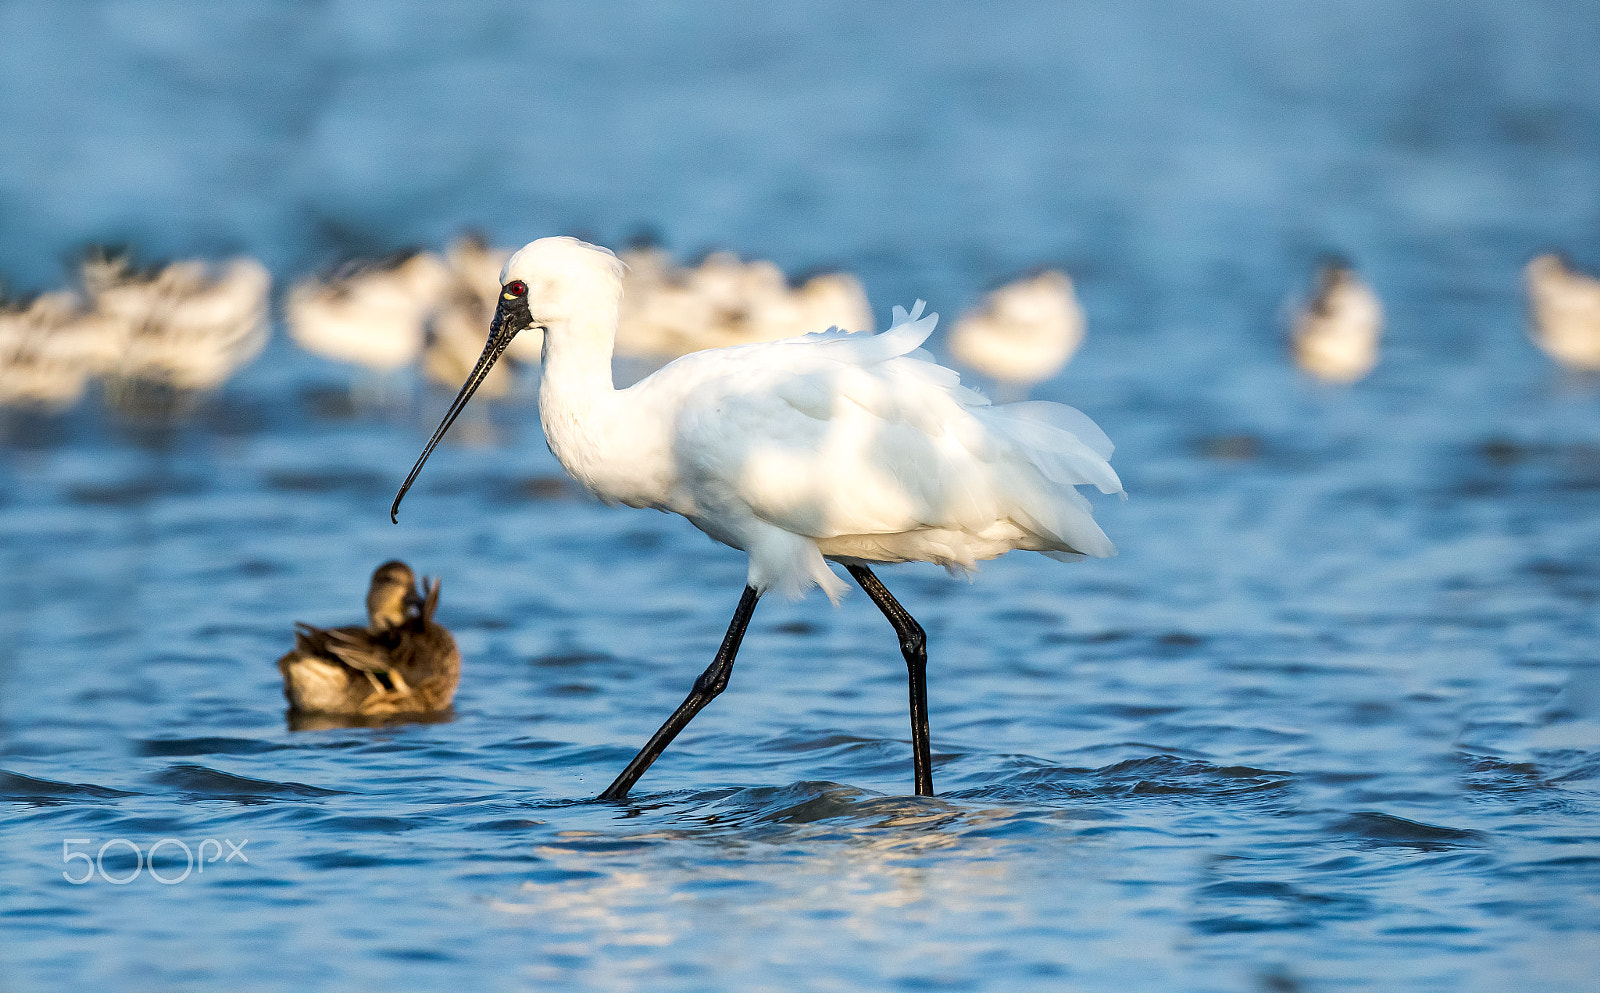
{"x":914,"y":646}
{"x":711,"y":683}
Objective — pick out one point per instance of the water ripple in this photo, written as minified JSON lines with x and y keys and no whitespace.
{"x":1386,"y":830}
{"x":204,"y":746}
{"x":26,"y":789}
{"x":200,"y":782}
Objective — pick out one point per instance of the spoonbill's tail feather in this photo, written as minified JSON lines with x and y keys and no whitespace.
{"x":1047,"y":450}
{"x":1070,"y":419}
{"x":1061,"y":454}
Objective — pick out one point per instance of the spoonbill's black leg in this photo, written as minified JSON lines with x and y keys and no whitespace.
{"x":711,"y":682}
{"x":914,"y":646}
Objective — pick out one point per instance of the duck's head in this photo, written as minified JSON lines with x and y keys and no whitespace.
{"x":545,"y":285}
{"x":392,"y":599}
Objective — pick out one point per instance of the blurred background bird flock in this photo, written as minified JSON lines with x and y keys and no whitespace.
{"x":157,"y":337}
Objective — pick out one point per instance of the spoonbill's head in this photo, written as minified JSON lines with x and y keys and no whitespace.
{"x":551,"y":281}
{"x":545,"y":285}
{"x":392,"y":598}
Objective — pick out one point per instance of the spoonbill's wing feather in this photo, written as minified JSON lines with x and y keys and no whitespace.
{"x":837,"y":435}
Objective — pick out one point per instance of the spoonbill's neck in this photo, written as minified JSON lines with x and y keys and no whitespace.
{"x":577,"y":354}
{"x":577,"y":398}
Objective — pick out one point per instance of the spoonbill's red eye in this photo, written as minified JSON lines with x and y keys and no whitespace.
{"x":516,"y":288}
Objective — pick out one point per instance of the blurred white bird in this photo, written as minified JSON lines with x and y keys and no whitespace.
{"x":475,"y":287}
{"x":1335,"y":336}
{"x":852,"y":448}
{"x":826,"y":300}
{"x":1565,"y":309}
{"x":668,"y":311}
{"x":373,"y":315}
{"x":1023,"y":333}
{"x":455,"y":331}
{"x":50,"y":349}
{"x":189,"y":325}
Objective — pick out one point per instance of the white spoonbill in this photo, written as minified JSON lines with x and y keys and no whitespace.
{"x":1565,"y":307}
{"x":851,"y":447}
{"x":1335,"y":337}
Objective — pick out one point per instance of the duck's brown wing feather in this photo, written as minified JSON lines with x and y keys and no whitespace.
{"x":331,"y":644}
{"x":358,"y":649}
{"x":311,"y":641}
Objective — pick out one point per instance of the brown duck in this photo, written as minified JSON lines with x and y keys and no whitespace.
{"x":400,"y":663}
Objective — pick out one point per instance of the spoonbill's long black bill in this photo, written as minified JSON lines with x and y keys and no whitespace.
{"x":502,"y":329}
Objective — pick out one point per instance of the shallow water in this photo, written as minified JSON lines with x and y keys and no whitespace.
{"x":1330,"y":721}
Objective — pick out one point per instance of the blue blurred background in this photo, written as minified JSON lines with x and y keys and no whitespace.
{"x":1327,"y":723}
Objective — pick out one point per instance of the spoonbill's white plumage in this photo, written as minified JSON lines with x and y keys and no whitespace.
{"x":851,"y":447}
{"x":1024,"y":332}
{"x":1564,"y":305}
{"x":1335,"y":336}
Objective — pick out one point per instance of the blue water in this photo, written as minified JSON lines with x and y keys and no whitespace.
{"x":1330,"y":722}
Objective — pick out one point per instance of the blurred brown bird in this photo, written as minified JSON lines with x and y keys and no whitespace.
{"x":400,"y":663}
